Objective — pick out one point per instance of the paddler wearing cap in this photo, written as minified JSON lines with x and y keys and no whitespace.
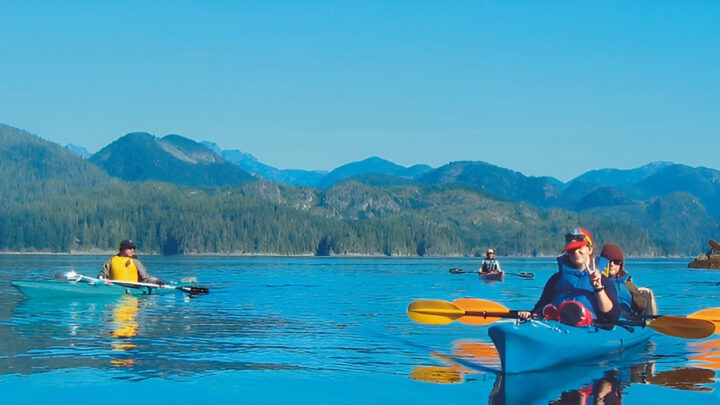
{"x":490,"y":263}
{"x":578,"y":294}
{"x":125,"y":266}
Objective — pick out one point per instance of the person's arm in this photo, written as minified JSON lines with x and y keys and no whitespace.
{"x":547,"y":295}
{"x":608,"y":310}
{"x":545,"y":298}
{"x":105,"y":272}
{"x":497,"y":265}
{"x":143,"y":274}
{"x":600,"y":283}
{"x":639,"y":303}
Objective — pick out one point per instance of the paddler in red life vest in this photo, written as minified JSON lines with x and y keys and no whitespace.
{"x":125,"y":266}
{"x":578,"y":294}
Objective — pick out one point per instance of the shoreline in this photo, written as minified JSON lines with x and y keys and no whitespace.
{"x":359,"y":255}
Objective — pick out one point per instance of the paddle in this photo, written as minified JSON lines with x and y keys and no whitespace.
{"x":676,"y":326}
{"x":189,"y":289}
{"x":438,"y":312}
{"x":522,"y":274}
{"x":710,"y":314}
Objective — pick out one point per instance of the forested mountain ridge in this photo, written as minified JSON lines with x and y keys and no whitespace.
{"x":175,"y":159}
{"x":457,"y":212}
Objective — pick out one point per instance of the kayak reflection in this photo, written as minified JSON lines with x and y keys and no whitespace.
{"x":124,"y":328}
{"x":578,"y":384}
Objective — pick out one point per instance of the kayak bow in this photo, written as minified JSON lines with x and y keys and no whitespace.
{"x":535,"y":345}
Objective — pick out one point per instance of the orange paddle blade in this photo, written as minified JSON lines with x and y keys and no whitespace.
{"x":682,"y":327}
{"x":711,"y":314}
{"x":477,"y":306}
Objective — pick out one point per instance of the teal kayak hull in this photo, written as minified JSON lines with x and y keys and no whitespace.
{"x":60,"y":289}
{"x":541,"y":345}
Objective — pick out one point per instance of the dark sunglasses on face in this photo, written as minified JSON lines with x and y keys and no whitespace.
{"x":571,"y":237}
{"x":617,"y":262}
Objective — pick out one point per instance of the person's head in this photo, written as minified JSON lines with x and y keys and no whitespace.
{"x":615,"y":257}
{"x":579,"y":247}
{"x":490,"y":253}
{"x":127,"y":247}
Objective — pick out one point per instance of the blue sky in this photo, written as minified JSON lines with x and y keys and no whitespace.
{"x":550,"y":88}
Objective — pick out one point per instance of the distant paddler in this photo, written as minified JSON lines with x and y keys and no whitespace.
{"x":490,"y":264}
{"x":125,"y":266}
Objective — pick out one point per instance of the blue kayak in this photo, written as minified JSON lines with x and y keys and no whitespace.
{"x":540,"y":345}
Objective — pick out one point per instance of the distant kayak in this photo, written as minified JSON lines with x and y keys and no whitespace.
{"x":492,"y":276}
{"x":540,"y":345}
{"x":495,"y":276}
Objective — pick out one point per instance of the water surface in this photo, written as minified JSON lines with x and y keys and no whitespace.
{"x":319,"y":330}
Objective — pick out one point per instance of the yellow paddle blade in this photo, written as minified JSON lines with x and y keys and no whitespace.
{"x":433,"y":312}
{"x":479,"y":305}
{"x":711,"y":314}
{"x":436,"y":374}
{"x":682,"y":327}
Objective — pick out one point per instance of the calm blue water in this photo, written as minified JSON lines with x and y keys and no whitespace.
{"x":317,"y":330}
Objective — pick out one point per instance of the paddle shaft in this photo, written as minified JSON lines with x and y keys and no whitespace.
{"x":490,"y":314}
{"x":132,"y":284}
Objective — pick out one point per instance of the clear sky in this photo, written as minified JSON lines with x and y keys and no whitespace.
{"x":547,"y":88}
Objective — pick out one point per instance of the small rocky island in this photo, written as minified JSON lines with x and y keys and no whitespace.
{"x":709,"y":260}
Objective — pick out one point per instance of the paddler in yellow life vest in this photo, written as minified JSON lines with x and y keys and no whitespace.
{"x":125,"y":266}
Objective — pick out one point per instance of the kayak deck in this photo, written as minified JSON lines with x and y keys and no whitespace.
{"x":539,"y":345}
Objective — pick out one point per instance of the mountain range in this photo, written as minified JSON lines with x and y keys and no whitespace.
{"x":674,"y":207}
{"x":176,"y":159}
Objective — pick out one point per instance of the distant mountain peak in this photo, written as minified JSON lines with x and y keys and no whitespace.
{"x":78,"y":150}
{"x":141,"y":156}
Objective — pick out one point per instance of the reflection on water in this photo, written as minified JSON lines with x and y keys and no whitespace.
{"x":124,"y":328}
{"x":706,"y":353}
{"x":579,"y":384}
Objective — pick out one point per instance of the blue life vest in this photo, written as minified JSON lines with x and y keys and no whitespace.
{"x":574,"y":285}
{"x":624,"y":296}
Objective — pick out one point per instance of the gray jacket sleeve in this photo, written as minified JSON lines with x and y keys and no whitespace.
{"x":105,"y":272}
{"x":143,"y":274}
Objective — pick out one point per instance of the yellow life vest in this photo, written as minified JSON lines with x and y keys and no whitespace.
{"x":123,"y":268}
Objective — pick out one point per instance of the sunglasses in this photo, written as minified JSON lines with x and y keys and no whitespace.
{"x":617,"y":262}
{"x":572,"y":237}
